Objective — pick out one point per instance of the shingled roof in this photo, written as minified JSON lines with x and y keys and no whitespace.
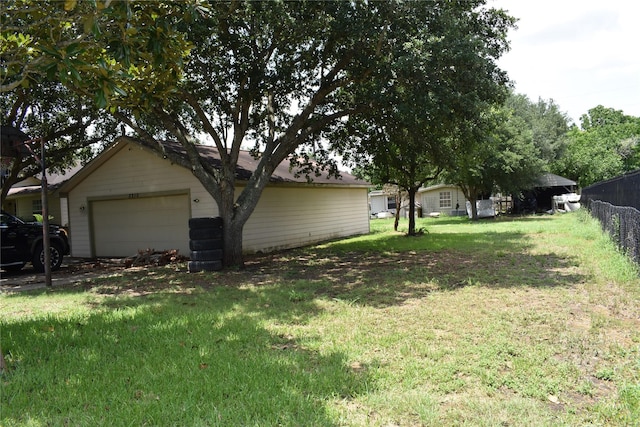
{"x":551,"y":180}
{"x":247,"y":164}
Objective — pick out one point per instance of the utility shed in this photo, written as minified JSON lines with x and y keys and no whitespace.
{"x":130,"y":198}
{"x":540,"y":197}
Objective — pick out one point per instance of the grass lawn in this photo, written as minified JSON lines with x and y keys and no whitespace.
{"x":531,"y":321}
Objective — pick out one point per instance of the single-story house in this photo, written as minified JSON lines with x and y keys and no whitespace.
{"x":442,"y":199}
{"x":430,"y":201}
{"x":24,"y":199}
{"x":130,"y":198}
{"x":381,"y":201}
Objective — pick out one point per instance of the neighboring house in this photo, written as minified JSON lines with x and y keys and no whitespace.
{"x":433,"y":200}
{"x":381,"y":201}
{"x":129,"y":198}
{"x":24,"y":199}
{"x":442,"y":199}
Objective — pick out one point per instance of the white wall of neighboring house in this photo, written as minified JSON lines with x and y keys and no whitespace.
{"x":25,"y":206}
{"x":442,"y":199}
{"x":379,"y":201}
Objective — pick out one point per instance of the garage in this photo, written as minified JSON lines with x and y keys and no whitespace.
{"x":131,"y":198}
{"x":136,"y":223}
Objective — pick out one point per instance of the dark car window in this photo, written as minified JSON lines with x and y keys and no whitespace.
{"x":9,"y":220}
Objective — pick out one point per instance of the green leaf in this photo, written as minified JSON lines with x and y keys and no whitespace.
{"x":100,"y":99}
{"x":69,"y":5}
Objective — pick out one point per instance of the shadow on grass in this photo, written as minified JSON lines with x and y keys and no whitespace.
{"x":167,"y":358}
{"x":395,"y":278}
{"x":161,"y":346}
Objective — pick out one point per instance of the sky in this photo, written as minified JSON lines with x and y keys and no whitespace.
{"x":579,"y":53}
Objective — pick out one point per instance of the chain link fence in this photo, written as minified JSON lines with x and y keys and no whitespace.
{"x":616,"y":204}
{"x":622,"y":223}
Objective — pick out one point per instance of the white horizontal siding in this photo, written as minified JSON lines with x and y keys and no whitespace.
{"x":131,"y":170}
{"x":289,"y":217}
{"x":24,"y":207}
{"x":430,"y":200}
{"x":285,"y":217}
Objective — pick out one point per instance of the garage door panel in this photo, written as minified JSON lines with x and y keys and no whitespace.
{"x":122,"y":227}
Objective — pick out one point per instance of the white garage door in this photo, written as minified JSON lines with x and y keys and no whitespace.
{"x":123,"y":227}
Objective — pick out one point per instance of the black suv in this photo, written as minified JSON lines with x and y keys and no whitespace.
{"x":22,"y":243}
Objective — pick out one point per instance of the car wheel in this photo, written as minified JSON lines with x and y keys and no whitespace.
{"x":56,"y":257}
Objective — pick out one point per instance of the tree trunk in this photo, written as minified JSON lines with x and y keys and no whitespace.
{"x":397,"y":219}
{"x":474,"y":207}
{"x":232,"y":228}
{"x":235,"y":213}
{"x":232,"y":243}
{"x":412,"y":211}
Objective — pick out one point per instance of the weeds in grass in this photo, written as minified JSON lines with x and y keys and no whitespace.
{"x":529,"y":321}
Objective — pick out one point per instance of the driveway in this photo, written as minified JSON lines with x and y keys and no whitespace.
{"x":73,"y":270}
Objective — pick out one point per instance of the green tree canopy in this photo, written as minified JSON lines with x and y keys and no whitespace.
{"x":606,"y":145}
{"x":71,"y":128}
{"x":441,"y":76}
{"x":548,"y":125}
{"x":269,"y":76}
{"x":503,"y":159}
{"x":63,"y":61}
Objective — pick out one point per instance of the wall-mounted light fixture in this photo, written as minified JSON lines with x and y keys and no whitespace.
{"x":196,"y":200}
{"x":82,"y":208}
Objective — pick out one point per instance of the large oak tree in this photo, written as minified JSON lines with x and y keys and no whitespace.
{"x":439,"y":79}
{"x":268,"y":76}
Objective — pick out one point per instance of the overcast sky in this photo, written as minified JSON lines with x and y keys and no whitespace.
{"x":580,"y":53}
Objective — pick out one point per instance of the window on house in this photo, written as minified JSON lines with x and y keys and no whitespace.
{"x":445,"y":199}
{"x":36,"y":206}
{"x":391,"y":203}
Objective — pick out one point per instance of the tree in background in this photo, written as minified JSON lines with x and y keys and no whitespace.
{"x":441,"y":77}
{"x":606,"y":145}
{"x":548,"y":125}
{"x":503,"y":159}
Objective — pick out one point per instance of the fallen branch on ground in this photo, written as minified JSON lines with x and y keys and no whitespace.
{"x":153,"y":257}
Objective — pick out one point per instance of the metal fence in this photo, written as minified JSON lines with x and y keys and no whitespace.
{"x":622,"y":223}
{"x":621,"y":191}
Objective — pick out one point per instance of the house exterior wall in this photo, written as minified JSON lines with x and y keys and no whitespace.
{"x":286,"y":216}
{"x":22,"y":207}
{"x":377,"y":203}
{"x":430,"y":200}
